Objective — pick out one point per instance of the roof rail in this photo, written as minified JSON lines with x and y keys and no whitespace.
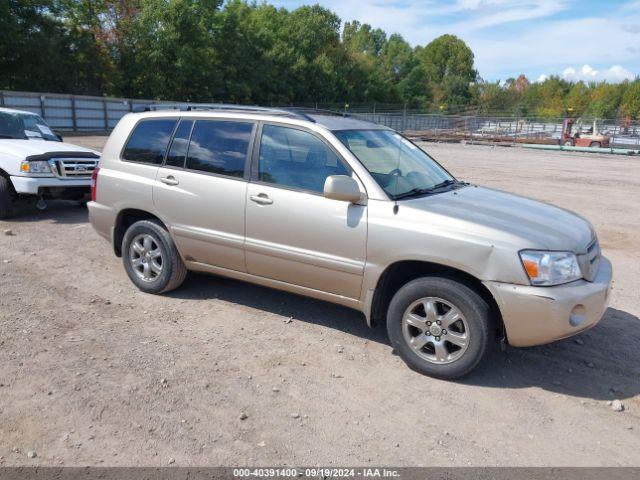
{"x":186,"y":107}
{"x":322,"y":111}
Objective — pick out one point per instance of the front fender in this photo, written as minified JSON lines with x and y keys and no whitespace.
{"x":10,"y":164}
{"x":392,"y":239}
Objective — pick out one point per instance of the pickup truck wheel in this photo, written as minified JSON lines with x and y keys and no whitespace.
{"x":439,"y":327}
{"x":5,"y":198}
{"x":151,"y":259}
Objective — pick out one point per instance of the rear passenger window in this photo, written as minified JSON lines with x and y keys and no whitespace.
{"x":149,"y":140}
{"x":180,"y":144}
{"x":219,"y":146}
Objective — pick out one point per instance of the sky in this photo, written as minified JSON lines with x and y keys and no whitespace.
{"x":591,"y":40}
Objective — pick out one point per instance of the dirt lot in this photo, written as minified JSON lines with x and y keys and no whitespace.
{"x":93,"y":372}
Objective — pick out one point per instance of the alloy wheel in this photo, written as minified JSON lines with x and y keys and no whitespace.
{"x":436,"y":330}
{"x":145,"y":256}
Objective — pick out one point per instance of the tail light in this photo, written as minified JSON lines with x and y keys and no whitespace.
{"x":94,"y":183}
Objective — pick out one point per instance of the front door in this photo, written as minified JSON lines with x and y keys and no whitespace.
{"x":201,"y":191}
{"x":294,"y":234}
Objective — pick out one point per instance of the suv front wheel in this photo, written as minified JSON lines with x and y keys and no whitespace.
{"x":439,"y":327}
{"x":151,"y":259}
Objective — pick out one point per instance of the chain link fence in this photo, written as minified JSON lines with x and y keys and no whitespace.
{"x":479,"y":128}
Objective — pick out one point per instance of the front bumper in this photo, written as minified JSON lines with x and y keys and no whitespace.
{"x":538,"y":315}
{"x":32,"y":185}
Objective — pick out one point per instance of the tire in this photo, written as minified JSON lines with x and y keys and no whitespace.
{"x":150,"y":237}
{"x":595,"y":144}
{"x":6,"y":200}
{"x":568,"y":143}
{"x":458,"y":308}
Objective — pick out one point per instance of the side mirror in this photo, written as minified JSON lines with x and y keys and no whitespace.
{"x":342,"y":187}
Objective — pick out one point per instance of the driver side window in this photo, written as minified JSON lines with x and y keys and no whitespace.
{"x":296,"y":159}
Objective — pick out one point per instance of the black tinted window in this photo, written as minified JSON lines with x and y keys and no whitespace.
{"x":219,"y":147}
{"x":149,"y":141}
{"x":296,"y":159}
{"x":178,"y":151}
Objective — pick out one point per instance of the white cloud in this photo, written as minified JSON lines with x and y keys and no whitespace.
{"x":508,"y":12}
{"x":615,"y":73}
{"x":474,"y":4}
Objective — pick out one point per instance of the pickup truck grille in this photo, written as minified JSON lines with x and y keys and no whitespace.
{"x":73,"y":168}
{"x":591,"y":261}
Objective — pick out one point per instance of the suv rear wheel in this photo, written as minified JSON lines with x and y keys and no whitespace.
{"x":439,"y":327}
{"x":5,"y":198}
{"x":151,"y":259}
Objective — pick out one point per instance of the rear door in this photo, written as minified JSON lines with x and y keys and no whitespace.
{"x":201,"y":190}
{"x":294,"y":233}
{"x":129,"y":183}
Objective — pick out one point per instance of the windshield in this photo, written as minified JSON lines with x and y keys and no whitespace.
{"x":25,"y":126}
{"x":399,"y":166}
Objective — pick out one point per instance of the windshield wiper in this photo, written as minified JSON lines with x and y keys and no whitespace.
{"x":415,"y":192}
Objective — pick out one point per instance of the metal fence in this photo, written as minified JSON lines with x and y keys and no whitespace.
{"x":495,"y":129}
{"x":76,"y":113}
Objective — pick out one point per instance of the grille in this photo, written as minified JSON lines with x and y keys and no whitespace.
{"x":73,"y":168}
{"x":591,"y":261}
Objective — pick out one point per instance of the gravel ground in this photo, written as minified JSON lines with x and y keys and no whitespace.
{"x":94,"y":372}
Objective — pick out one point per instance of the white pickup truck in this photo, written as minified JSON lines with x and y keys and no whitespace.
{"x":35,"y":163}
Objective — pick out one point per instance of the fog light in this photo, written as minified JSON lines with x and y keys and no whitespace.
{"x":578,"y":315}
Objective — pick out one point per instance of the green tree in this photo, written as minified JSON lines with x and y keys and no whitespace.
{"x":630,"y":104}
{"x":578,"y":98}
{"x":448,"y":63}
{"x":361,"y":38}
{"x":40,"y":51}
{"x":397,"y":58}
{"x":493,"y":98}
{"x":546,"y":100}
{"x":415,"y":88}
{"x":605,"y":100}
{"x":171,"y":44}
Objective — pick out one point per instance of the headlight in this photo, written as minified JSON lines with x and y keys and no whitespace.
{"x":550,"y":268}
{"x":35,"y":167}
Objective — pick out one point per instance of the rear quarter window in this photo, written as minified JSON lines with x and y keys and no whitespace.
{"x":149,"y":140}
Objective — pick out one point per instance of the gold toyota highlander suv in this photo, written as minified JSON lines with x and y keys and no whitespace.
{"x":348,"y":212}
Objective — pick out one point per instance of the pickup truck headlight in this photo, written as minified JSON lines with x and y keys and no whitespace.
{"x":35,"y":167}
{"x":550,"y":268}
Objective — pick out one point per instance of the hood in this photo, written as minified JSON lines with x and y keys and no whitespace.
{"x":503,"y":218}
{"x":25,"y":148}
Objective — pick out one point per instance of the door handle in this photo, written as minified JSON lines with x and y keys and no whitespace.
{"x":169,"y":180}
{"x":261,"y":199}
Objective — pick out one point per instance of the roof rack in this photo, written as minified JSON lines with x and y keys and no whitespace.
{"x":186,"y":107}
{"x":322,"y":111}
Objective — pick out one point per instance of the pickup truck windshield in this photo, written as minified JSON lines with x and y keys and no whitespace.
{"x":25,"y":126}
{"x":397,"y":165}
